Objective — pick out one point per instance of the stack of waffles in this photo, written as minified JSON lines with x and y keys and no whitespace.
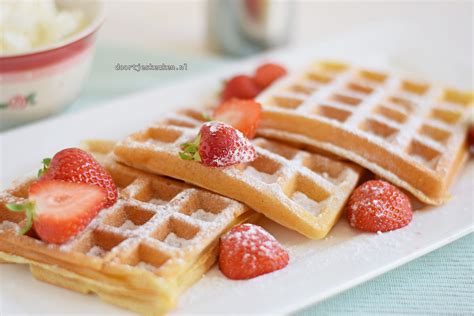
{"x":321,"y":129}
{"x":159,"y":238}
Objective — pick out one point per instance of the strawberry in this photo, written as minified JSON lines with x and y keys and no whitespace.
{"x":470,"y":138}
{"x":219,"y":145}
{"x":77,"y":165}
{"x":241,"y":87}
{"x":248,"y":251}
{"x":377,"y":205}
{"x":243,"y":115}
{"x":59,"y":210}
{"x":266,"y":74}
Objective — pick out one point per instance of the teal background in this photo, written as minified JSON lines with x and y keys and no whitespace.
{"x":441,"y":282}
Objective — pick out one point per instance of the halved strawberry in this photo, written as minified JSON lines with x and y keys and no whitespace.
{"x":77,"y":165}
{"x":248,"y":251}
{"x":378,"y":206}
{"x":219,"y":145}
{"x":266,"y":74}
{"x":243,"y":115}
{"x":59,"y":210}
{"x":241,"y":86}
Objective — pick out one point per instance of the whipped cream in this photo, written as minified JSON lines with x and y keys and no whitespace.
{"x":27,"y":25}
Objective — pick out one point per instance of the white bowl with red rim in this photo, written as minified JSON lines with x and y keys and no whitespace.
{"x":40,"y":82}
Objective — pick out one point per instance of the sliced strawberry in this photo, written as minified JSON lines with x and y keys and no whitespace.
{"x":59,"y":210}
{"x":243,"y":115}
{"x":219,"y":145}
{"x":248,"y":251}
{"x":77,"y":165}
{"x":266,"y":74}
{"x":241,"y":87}
{"x":377,"y":205}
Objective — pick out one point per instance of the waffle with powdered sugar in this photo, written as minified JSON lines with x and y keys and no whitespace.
{"x":302,"y":191}
{"x":408,"y":132}
{"x":159,"y":237}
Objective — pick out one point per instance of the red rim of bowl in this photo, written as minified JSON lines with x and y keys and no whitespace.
{"x":93,"y":26}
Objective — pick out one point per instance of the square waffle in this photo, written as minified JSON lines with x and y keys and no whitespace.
{"x":159,"y":238}
{"x":302,"y":191}
{"x":408,"y":132}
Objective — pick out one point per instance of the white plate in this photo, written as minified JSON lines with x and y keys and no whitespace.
{"x":318,"y":269}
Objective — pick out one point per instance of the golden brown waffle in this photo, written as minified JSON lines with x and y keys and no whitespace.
{"x":408,"y":132}
{"x":302,"y":191}
{"x":159,"y":238}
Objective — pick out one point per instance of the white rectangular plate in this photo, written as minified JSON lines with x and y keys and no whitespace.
{"x":318,"y":269}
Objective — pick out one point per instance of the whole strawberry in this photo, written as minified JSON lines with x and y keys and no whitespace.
{"x":266,"y":74}
{"x":77,"y":165}
{"x":241,"y":87}
{"x":219,"y":145}
{"x":248,"y":251}
{"x":378,"y":206}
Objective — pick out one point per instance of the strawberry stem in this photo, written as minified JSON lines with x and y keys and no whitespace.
{"x":207,"y":117}
{"x":191,"y":150}
{"x":46,"y":162}
{"x":29,"y":209}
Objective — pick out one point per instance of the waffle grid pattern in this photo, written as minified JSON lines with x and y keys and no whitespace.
{"x":304,"y":188}
{"x":158,"y":225}
{"x":415,"y":121}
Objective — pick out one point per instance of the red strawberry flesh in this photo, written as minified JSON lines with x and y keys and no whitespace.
{"x":63,"y":209}
{"x":266,"y":74}
{"x":221,"y":145}
{"x":78,"y":166}
{"x":378,"y":206}
{"x":243,"y":115}
{"x":240,"y":86}
{"x":248,"y":251}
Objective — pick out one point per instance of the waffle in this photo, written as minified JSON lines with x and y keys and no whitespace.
{"x":304,"y":192}
{"x":408,"y":132}
{"x":159,"y":238}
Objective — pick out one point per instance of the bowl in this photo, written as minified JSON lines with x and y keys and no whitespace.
{"x":41,"y":82}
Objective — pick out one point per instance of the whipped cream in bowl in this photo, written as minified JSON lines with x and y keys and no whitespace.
{"x":46,"y":49}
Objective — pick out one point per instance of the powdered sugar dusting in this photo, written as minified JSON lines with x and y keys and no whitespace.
{"x":262,"y":176}
{"x":128,"y":225}
{"x":96,"y":251}
{"x":254,"y":239}
{"x":307,"y":203}
{"x":278,"y":169}
{"x":175,"y":241}
{"x":202,"y":215}
{"x":7,"y":225}
{"x":241,"y":150}
{"x":157,"y":201}
{"x":146,"y":266}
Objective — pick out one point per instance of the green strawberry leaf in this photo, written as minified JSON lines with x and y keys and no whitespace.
{"x":31,"y":98}
{"x":16,"y":207}
{"x":207,"y":117}
{"x":197,"y":157}
{"x":191,"y":150}
{"x":46,"y":162}
{"x":29,"y":209}
{"x":185,"y":156}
